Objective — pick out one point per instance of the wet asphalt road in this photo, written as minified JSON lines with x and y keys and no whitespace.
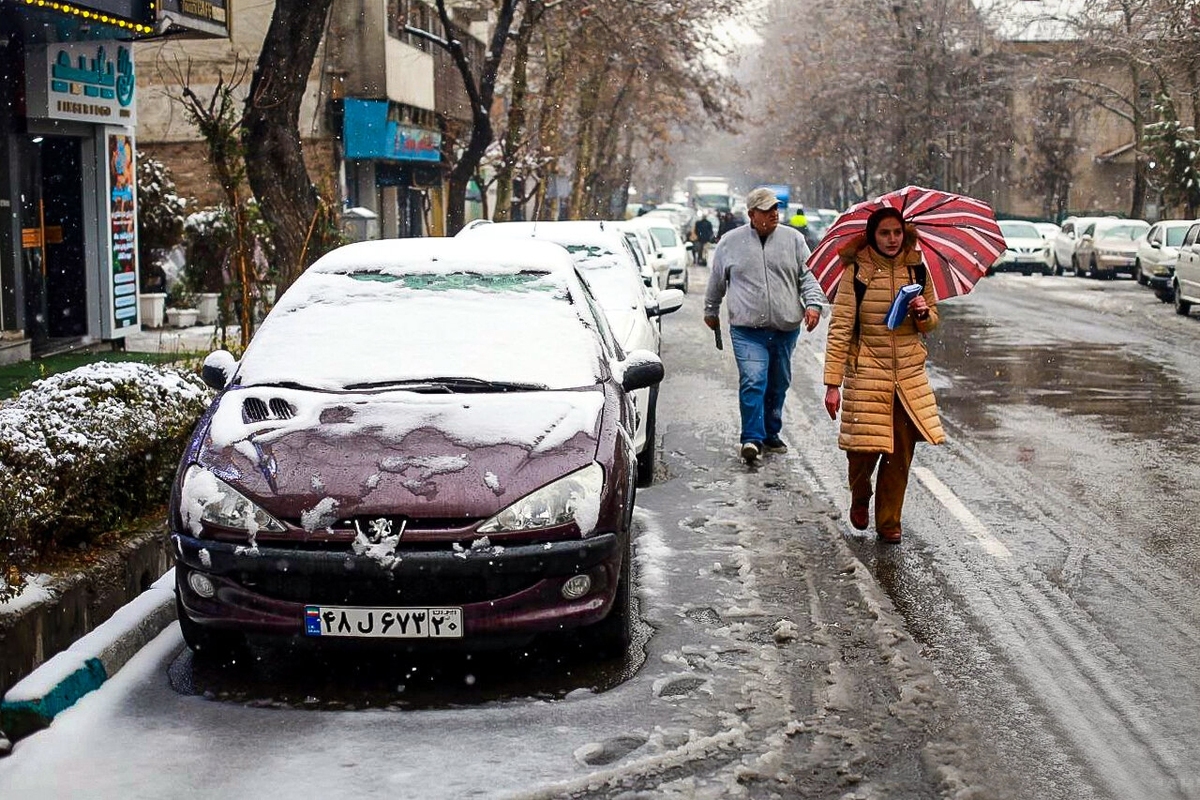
{"x":1050,"y":563}
{"x":1047,"y":579}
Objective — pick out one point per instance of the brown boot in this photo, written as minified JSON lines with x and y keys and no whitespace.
{"x":891,"y":536}
{"x":859,"y":517}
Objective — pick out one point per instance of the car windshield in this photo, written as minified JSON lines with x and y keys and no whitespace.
{"x":665,"y":237}
{"x":333,"y":330}
{"x":1126,"y":232}
{"x":1019,"y":230}
{"x":1175,"y":236}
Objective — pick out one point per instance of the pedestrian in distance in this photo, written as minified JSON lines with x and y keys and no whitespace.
{"x":759,"y":268}
{"x":889,"y":405}
{"x":726,"y":223}
{"x":702,"y":233}
{"x":799,"y":221}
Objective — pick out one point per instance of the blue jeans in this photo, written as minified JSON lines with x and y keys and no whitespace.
{"x":764,"y":360}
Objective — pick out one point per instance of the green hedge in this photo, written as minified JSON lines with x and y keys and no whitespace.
{"x":83,"y":450}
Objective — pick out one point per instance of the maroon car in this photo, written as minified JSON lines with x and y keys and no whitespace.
{"x":426,"y":441}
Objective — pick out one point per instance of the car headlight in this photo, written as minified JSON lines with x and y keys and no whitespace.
{"x":571,"y":497}
{"x":207,"y":498}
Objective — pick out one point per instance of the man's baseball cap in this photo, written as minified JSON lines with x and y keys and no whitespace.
{"x":763,"y":199}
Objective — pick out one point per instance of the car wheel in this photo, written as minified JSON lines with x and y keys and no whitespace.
{"x":612,"y":635}
{"x":212,"y":645}
{"x":684,"y":284}
{"x":646,"y":458}
{"x":1137,"y":272}
{"x":1182,"y":307}
{"x":1075,"y":267}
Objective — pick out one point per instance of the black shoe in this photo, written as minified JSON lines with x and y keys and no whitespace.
{"x":751,"y":451}
{"x":775,"y":445}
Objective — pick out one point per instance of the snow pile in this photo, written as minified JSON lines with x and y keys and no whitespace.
{"x":85,"y":449}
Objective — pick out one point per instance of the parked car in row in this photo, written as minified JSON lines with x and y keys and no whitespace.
{"x":653,"y":264}
{"x":1026,"y":251}
{"x":1108,"y":247}
{"x":606,"y":263}
{"x":1066,"y":240}
{"x":676,"y":251}
{"x":1185,"y":284}
{"x":427,"y":441}
{"x":1157,"y":252}
{"x":1048,"y":230}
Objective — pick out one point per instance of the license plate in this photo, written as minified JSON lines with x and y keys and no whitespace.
{"x":383,"y":623}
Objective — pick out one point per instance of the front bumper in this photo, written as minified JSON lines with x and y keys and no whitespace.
{"x":503,"y":591}
{"x":1022,"y":262}
{"x":1115,"y":263}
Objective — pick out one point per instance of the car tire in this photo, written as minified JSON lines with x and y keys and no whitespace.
{"x":684,"y":281}
{"x":212,"y":645}
{"x":1137,"y":272}
{"x":647,"y":458}
{"x":1182,"y":307}
{"x":1075,"y":267}
{"x":613,"y":634}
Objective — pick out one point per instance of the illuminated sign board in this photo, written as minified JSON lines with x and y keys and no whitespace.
{"x":207,"y":16}
{"x":82,"y":81}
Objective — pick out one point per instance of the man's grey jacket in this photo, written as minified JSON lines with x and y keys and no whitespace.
{"x":767,"y":284}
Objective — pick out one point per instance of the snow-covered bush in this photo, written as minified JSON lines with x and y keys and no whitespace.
{"x":161,"y":213}
{"x":86,"y":449}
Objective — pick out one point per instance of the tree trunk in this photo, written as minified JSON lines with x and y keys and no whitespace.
{"x":515,"y":130}
{"x":274,"y":156}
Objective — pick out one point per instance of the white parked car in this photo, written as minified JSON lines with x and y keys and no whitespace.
{"x":607,"y":264}
{"x":1185,"y":284}
{"x":1048,"y":230}
{"x":1025,"y":252}
{"x":1157,"y":252}
{"x":1062,"y":248}
{"x":654,"y":262}
{"x":1109,"y":246}
{"x":675,"y":252}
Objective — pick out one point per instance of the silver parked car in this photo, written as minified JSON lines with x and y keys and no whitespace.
{"x":1109,"y":246}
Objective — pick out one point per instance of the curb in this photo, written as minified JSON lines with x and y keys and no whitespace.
{"x":34,"y":702}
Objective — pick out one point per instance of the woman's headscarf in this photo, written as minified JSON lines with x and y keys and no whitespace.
{"x":873,"y":221}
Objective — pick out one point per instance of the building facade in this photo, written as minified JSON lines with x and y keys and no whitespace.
{"x":68,"y":131}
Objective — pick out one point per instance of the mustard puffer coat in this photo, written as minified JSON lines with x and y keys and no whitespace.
{"x":876,"y":364}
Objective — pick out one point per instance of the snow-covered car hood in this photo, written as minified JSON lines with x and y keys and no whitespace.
{"x":307,"y":455}
{"x":1026,"y":242}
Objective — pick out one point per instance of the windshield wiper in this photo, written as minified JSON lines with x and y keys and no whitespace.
{"x":449,"y":385}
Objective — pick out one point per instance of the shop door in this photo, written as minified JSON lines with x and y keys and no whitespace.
{"x":52,"y":217}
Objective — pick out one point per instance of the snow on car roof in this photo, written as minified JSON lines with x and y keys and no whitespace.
{"x":439,"y":254}
{"x":421,"y":309}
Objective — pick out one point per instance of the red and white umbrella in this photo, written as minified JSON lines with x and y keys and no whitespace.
{"x":957,"y":235}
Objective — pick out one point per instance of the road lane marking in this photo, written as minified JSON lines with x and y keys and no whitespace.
{"x":974,"y":527}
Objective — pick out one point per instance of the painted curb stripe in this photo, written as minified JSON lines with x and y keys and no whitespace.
{"x":27,"y":714}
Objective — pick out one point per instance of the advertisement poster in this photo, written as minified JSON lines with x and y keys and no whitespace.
{"x":122,"y":220}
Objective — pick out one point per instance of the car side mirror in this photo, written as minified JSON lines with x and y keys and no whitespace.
{"x":218,"y":369}
{"x":641,"y":369}
{"x":1156,"y":245}
{"x":668,"y":300}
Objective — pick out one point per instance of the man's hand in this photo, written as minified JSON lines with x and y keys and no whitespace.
{"x":811,"y":317}
{"x":713,"y":322}
{"x":833,"y":400}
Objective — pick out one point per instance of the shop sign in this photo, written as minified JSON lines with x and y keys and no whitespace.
{"x":206,"y":16}
{"x":122,"y":226}
{"x":82,"y":81}
{"x":370,"y":135}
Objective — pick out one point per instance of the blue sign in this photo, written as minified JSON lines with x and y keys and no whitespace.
{"x":368,"y":134}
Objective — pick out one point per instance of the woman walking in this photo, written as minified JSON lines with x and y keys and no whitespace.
{"x":889,"y":404}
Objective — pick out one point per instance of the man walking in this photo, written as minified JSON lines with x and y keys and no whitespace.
{"x":760,"y":268}
{"x":703,"y":234}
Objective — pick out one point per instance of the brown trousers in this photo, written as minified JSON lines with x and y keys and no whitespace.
{"x":893,"y":472}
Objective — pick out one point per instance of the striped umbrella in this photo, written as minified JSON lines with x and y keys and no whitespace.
{"x":958,"y":238}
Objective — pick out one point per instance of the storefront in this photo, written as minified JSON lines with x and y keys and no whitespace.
{"x":68,"y":179}
{"x":393,"y":167}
